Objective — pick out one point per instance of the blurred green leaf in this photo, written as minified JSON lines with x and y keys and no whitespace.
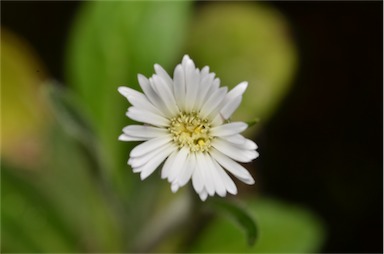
{"x":69,"y":113}
{"x":65,"y":202}
{"x":240,"y":217}
{"x":29,"y":221}
{"x":283,"y":228}
{"x":82,"y":196}
{"x":110,"y":43}
{"x":246,"y":41}
{"x":253,"y":122}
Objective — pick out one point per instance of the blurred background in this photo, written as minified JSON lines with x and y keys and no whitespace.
{"x":316,"y":84}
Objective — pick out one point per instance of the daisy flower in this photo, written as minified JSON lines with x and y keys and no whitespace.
{"x":185,"y":125}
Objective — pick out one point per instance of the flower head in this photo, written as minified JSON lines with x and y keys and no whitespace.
{"x":186,"y":125}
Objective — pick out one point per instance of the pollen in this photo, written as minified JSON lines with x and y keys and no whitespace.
{"x":188,"y":129}
{"x":201,"y":142}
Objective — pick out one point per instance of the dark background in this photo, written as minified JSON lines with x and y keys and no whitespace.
{"x":324,"y":147}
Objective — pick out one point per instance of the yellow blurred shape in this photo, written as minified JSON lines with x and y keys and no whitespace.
{"x":246,"y":41}
{"x":23,"y":114}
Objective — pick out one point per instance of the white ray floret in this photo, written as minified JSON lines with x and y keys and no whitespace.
{"x":185,"y":126}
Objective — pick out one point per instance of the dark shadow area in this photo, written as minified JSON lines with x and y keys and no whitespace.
{"x":324,"y":146}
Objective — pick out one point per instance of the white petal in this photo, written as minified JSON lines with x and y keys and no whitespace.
{"x":213,"y":102}
{"x":218,"y":120}
{"x":168,"y":163}
{"x":214,"y":85}
{"x":186,"y":58}
{"x":203,"y":165}
{"x":233,"y":99}
{"x":197,"y":180}
{"x":142,"y":131}
{"x":194,"y":93}
{"x":236,"y":169}
{"x":229,"y":129}
{"x":179,"y":86}
{"x":230,"y":107}
{"x":217,"y":181}
{"x":138,"y":100}
{"x":125,"y":137}
{"x":217,"y":107}
{"x":203,"y":195}
{"x":241,"y":142}
{"x":249,"y":144}
{"x":152,"y":164}
{"x":179,"y":164}
{"x":166,"y":95}
{"x":186,"y":174}
{"x":160,"y":92}
{"x":147,"y":117}
{"x":143,"y":103}
{"x":238,"y":90}
{"x":204,"y":71}
{"x":164,"y":75}
{"x":174,"y":187}
{"x":136,"y":170}
{"x":152,"y":94}
{"x":126,"y":91}
{"x":136,"y":162}
{"x":228,"y":182}
{"x":150,"y":145}
{"x":236,"y":139}
{"x":203,"y":95}
{"x":191,"y":84}
{"x":233,"y":151}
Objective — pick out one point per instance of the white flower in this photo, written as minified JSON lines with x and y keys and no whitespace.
{"x":185,"y":125}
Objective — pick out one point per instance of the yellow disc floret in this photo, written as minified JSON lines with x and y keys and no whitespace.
{"x":190,"y":130}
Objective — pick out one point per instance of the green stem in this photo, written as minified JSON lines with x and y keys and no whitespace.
{"x":162,"y":225}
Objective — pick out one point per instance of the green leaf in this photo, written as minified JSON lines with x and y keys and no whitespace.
{"x":253,"y":122}
{"x":283,"y":228}
{"x":240,"y":216}
{"x":84,"y":198}
{"x":246,"y":41}
{"x":26,"y":210}
{"x":69,"y":113}
{"x":76,"y":122}
{"x":110,"y":43}
{"x":70,"y":207}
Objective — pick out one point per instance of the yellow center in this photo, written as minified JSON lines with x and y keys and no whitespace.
{"x":190,"y":130}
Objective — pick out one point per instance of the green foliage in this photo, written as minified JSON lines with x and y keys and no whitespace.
{"x":66,"y":207}
{"x":69,"y":113}
{"x":111,"y":42}
{"x":26,"y":210}
{"x":82,"y":195}
{"x":240,"y":216}
{"x":283,"y":228}
{"x":84,"y":198}
{"x":253,"y":122}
